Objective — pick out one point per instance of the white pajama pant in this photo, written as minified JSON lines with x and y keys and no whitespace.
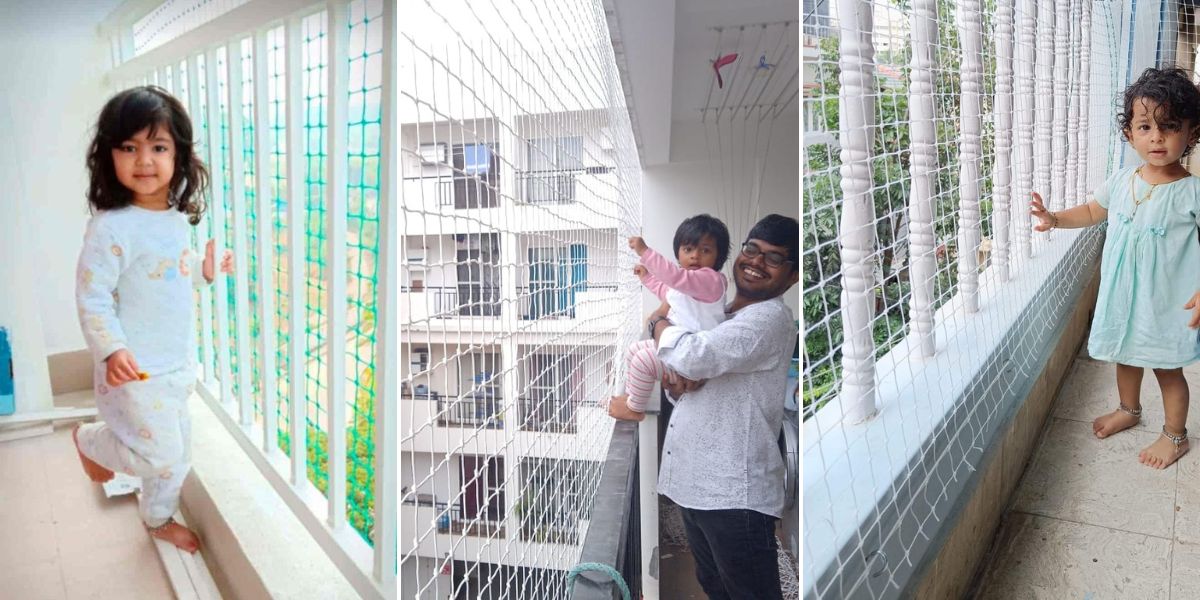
{"x":145,"y":432}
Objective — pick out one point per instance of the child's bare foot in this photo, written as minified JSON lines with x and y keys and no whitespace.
{"x":178,"y":535}
{"x":618,"y":408}
{"x":1115,"y":421}
{"x":1165,"y":450}
{"x":95,"y":471}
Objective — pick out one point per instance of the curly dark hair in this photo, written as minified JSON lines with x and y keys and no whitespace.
{"x":121,"y":118}
{"x":692,"y":229}
{"x":1177,"y":97}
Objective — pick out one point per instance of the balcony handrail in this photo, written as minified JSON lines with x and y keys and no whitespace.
{"x":616,"y":504}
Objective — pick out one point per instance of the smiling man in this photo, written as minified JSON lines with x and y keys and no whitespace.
{"x":720,"y":461}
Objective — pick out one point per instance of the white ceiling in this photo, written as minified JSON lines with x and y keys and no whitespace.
{"x":669,"y":46}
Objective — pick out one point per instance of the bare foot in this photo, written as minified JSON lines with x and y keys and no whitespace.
{"x":178,"y":535}
{"x":1117,"y":420}
{"x":95,"y":471}
{"x":618,"y":408}
{"x":1162,"y":452}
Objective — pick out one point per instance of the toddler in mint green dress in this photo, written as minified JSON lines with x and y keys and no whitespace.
{"x":1148,"y":307}
{"x":1151,"y":267}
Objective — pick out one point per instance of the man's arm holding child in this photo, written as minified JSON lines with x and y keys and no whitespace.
{"x":743,"y":344}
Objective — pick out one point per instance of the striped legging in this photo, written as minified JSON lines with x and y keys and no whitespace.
{"x":642,"y":370}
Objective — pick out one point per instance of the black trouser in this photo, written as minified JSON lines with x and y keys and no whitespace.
{"x":735,"y":552}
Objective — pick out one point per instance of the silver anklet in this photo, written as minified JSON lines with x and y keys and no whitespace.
{"x":1137,"y":412}
{"x":1175,"y":439}
{"x":171,"y":520}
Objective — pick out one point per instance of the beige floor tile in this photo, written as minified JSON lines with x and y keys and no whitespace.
{"x":1185,"y":570}
{"x":22,"y":460}
{"x":91,"y":517}
{"x":120,"y":570}
{"x":24,"y":500}
{"x":27,"y":543}
{"x":1047,"y":559}
{"x":1187,"y":496}
{"x":57,"y":522}
{"x":61,"y":458}
{"x":38,"y":581}
{"x":1077,"y":477}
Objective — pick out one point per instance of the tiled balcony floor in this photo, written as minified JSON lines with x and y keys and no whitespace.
{"x":61,"y":538}
{"x":1088,"y":520}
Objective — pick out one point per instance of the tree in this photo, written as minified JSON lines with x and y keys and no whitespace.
{"x":891,"y":153}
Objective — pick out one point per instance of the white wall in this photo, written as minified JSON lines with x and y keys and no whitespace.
{"x":52,"y":90}
{"x":686,"y":186}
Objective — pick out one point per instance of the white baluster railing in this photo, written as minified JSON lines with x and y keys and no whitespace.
{"x":1002,"y":112}
{"x":1073,"y":158}
{"x":1060,"y":156}
{"x":1043,"y":60}
{"x":1023,"y":168}
{"x":1085,"y":86}
{"x":970,"y":148}
{"x":923,"y":267}
{"x":857,"y":227}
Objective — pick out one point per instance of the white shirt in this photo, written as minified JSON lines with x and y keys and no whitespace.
{"x":721,"y":449}
{"x":134,"y":288}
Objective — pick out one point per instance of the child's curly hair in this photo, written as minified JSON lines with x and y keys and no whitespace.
{"x":1177,"y":97}
{"x":121,"y":118}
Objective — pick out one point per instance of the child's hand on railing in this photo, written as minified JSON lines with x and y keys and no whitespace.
{"x":637,"y":244}
{"x":207,"y":267}
{"x":1047,"y":219}
{"x":1194,"y":306}
{"x":640,"y":271}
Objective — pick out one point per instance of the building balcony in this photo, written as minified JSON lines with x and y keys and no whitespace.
{"x":947,"y":395}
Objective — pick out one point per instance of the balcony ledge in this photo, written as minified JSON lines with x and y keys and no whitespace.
{"x":254,"y":543}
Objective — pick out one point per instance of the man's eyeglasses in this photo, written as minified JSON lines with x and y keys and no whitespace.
{"x":773,"y":259}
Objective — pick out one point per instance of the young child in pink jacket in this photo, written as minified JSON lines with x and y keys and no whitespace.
{"x":695,"y":290}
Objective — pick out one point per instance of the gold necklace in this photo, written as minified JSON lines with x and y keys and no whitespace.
{"x":1132,"y":185}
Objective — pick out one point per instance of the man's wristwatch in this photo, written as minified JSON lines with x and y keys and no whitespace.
{"x":654,"y":323}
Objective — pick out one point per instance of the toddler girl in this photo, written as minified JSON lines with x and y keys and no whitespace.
{"x":1148,"y":307}
{"x":134,"y":294}
{"x":695,"y":289}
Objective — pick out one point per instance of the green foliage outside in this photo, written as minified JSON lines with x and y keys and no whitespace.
{"x":360,"y":456}
{"x":890,"y":164}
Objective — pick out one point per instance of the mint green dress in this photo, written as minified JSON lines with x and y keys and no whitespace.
{"x":1149,"y":270}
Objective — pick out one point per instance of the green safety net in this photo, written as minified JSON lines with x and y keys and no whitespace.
{"x":315,"y":371}
{"x":251,"y":194}
{"x":230,"y":298}
{"x":364,"y":120}
{"x":277,"y":95}
{"x":364,"y":60}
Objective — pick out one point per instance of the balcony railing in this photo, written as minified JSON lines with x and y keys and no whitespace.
{"x":551,"y":301}
{"x":547,"y":413}
{"x":478,"y":409}
{"x":463,"y":300}
{"x":548,"y":187}
{"x":451,"y":520}
{"x":925,"y":290}
{"x":258,"y":356}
